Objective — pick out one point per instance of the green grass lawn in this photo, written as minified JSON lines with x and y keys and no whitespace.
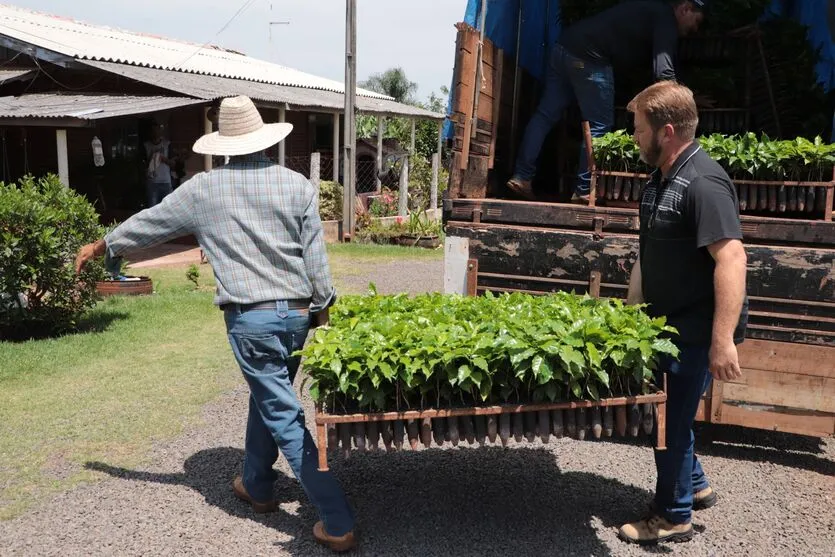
{"x":140,"y":372}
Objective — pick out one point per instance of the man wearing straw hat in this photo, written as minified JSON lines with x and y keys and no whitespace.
{"x":259,"y":224}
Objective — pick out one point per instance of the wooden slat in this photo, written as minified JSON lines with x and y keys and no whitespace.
{"x":497,"y":103}
{"x":787,"y":357}
{"x":779,"y":388}
{"x":716,"y":398}
{"x":820,"y":233}
{"x":802,"y":424}
{"x":703,"y":411}
{"x":652,"y":398}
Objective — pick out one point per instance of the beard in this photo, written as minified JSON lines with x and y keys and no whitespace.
{"x":651,"y":154}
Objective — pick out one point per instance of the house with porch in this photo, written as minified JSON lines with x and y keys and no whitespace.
{"x":67,"y":85}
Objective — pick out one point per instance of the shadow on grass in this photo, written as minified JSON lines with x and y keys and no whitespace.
{"x":434,"y":502}
{"x":95,"y":321}
{"x":99,"y":321}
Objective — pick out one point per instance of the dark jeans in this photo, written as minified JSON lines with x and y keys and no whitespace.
{"x":569,"y":79}
{"x":155,"y":192}
{"x":263,"y":341}
{"x":680,"y":473}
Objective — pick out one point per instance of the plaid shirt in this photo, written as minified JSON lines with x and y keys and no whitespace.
{"x":257,"y":222}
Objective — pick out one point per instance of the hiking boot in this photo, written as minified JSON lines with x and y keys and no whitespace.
{"x":702,"y":500}
{"x":242,"y":494}
{"x":655,"y":529}
{"x":521,"y":188}
{"x":335,"y":543}
{"x":580,"y":199}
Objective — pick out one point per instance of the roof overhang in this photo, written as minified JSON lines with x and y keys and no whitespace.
{"x":81,"y":110}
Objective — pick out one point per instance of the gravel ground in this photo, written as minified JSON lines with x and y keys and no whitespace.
{"x":565,"y":498}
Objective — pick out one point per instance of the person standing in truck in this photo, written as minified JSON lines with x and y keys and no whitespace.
{"x":581,"y":69}
{"x":691,"y":269}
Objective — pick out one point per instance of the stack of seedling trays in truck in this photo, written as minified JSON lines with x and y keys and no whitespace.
{"x":399,"y":372}
{"x":791,"y":178}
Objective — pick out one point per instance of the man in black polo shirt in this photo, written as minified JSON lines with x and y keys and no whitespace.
{"x":581,"y":70}
{"x":691,"y":268}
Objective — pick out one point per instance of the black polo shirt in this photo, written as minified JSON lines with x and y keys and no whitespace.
{"x":681,"y":214}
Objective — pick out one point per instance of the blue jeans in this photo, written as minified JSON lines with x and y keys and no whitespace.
{"x":569,"y":79}
{"x":156,"y":192}
{"x":263,"y":341}
{"x":680,"y":473}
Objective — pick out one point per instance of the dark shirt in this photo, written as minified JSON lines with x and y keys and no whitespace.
{"x":627,"y":36}
{"x":693,"y":207}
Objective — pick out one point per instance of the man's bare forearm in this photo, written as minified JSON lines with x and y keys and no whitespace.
{"x":729,"y":292}
{"x":635,"y":294}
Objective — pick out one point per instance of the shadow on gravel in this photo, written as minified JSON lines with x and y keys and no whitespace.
{"x":486,"y":501}
{"x":754,"y":445}
{"x":210,"y":473}
{"x":757,"y":445}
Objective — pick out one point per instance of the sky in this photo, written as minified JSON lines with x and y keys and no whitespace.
{"x":417,"y":35}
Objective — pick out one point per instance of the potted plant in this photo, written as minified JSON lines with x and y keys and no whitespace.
{"x":420,"y":231}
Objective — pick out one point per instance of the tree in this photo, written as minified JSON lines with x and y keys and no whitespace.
{"x":394,"y":83}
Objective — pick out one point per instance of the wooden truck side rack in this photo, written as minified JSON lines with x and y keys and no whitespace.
{"x":788,"y":357}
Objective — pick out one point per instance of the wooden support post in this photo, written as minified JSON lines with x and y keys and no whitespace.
{"x":830,"y":198}
{"x":403,"y":201}
{"x":433,"y":188}
{"x":63,"y":158}
{"x":592,"y":167}
{"x":282,"y":150}
{"x":315,"y":168}
{"x":322,"y":437}
{"x":349,"y":172}
{"x":377,"y":179}
{"x":472,"y":277}
{"x":412,"y":145}
{"x":661,"y":421}
{"x":336,"y":147}
{"x":594,"y":284}
{"x":207,"y":129}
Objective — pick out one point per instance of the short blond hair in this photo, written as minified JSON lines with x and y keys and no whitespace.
{"x":668,"y":102}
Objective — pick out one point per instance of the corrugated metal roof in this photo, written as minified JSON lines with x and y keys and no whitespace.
{"x":211,"y":88}
{"x":11,"y":75}
{"x":83,"y":41}
{"x":86,"y":107}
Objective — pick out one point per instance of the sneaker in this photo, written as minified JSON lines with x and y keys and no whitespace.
{"x":655,"y":529}
{"x":337,"y":544}
{"x":521,"y":187}
{"x":257,"y":506}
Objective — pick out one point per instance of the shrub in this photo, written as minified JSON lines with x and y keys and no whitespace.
{"x":385,"y":205}
{"x":42,"y":226}
{"x":193,"y":274}
{"x":420,"y":183}
{"x":330,"y":200}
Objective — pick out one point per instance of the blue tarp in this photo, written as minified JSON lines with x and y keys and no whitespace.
{"x":540,"y":28}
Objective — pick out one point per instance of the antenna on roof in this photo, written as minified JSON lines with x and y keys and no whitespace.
{"x":276,"y":23}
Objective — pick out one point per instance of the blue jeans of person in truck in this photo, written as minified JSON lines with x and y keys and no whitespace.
{"x":263,"y":342}
{"x":569,"y":79}
{"x":680,"y":473}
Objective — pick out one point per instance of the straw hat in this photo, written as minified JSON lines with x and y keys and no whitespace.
{"x":241,"y":130}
